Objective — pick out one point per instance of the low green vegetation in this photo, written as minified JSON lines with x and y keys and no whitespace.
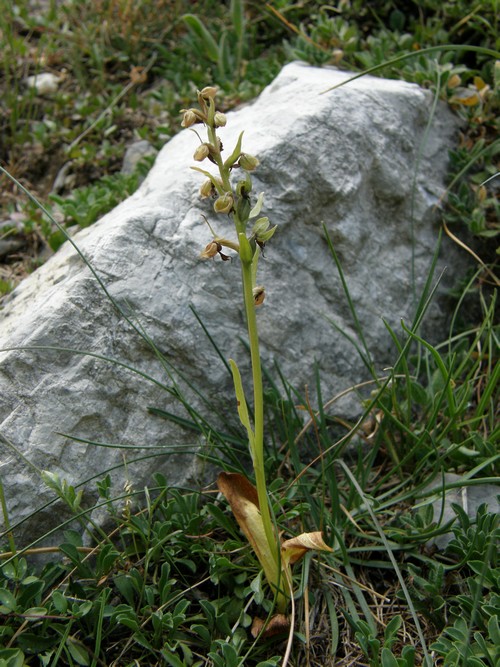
{"x":123,"y":70}
{"x":175,"y":583}
{"x":171,"y":580}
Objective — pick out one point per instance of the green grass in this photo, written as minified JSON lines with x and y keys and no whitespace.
{"x":171,"y":581}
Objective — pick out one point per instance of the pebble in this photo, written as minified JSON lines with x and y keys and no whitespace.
{"x":135,"y":153}
{"x":12,"y":238}
{"x":44,"y":83}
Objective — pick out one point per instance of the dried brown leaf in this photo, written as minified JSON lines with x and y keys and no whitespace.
{"x":466,"y":100}
{"x":242,"y":497}
{"x":293,"y":550}
{"x":278,"y":624}
{"x":138,"y":75}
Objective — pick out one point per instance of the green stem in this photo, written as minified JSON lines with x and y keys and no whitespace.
{"x":258,"y":399}
{"x":281,"y":585}
{"x":224,"y":173}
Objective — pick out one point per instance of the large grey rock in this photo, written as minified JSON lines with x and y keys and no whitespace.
{"x":353,"y":159}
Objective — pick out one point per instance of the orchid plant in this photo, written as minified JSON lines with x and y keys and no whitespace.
{"x":250,"y":232}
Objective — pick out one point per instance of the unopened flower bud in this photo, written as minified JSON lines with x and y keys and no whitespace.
{"x":224,"y":204}
{"x":261,"y":232}
{"x":207,"y":189}
{"x":260,"y":226}
{"x":208,"y":92}
{"x":220,"y":119}
{"x":201,"y":152}
{"x":259,"y":294}
{"x":248,"y":162}
{"x":264,"y":237}
{"x":189,"y":118}
{"x":211,"y":250}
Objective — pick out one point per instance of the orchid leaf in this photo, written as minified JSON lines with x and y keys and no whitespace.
{"x":258,"y":206}
{"x":204,"y":172}
{"x":216,"y":182}
{"x":242,"y":404}
{"x":203,"y":35}
{"x":255,"y":263}
{"x":242,"y":497}
{"x":235,"y":154}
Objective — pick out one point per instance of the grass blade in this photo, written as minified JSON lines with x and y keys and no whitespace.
{"x":209,"y":44}
{"x":397,"y":570}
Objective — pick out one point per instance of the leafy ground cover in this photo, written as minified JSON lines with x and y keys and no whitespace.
{"x":171,"y":581}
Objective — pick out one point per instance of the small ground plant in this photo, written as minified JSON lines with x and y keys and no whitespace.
{"x":250,"y":505}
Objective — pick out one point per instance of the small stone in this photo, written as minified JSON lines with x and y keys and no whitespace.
{"x":44,"y":83}
{"x":135,"y":153}
{"x":12,"y":238}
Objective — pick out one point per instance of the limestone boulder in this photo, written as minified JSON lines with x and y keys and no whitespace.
{"x":365,"y":161}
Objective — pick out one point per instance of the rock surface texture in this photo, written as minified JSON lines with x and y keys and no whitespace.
{"x":364,"y":160}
